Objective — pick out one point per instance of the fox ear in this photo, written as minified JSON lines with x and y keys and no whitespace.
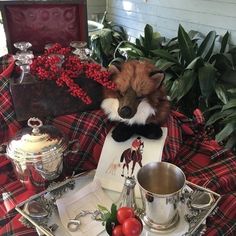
{"x":157,"y":75}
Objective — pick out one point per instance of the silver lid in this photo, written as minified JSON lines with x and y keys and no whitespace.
{"x":37,"y":140}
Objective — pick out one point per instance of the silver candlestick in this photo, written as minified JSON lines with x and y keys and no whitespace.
{"x":23,"y":60}
{"x":80,"y":49}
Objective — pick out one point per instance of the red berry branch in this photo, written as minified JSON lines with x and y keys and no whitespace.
{"x":65,"y":72}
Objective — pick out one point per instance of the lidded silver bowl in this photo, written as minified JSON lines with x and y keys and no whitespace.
{"x":38,"y":151}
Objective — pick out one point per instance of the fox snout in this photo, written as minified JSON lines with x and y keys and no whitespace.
{"x":126,"y":112}
{"x":128,"y":104}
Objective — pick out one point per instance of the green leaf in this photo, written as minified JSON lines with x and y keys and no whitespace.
{"x":195,"y":64}
{"x":207,"y":79}
{"x":229,"y":77}
{"x":142,"y":40}
{"x":168,"y":82}
{"x":230,"y":118}
{"x":193,"y":34}
{"x":102,"y":208}
{"x":226,"y":132}
{"x":106,"y":216}
{"x":221,"y":93}
{"x":113,"y":209}
{"x":230,"y":104}
{"x":148,"y":33}
{"x":207,"y":45}
{"x":183,"y":84}
{"x":232,"y":52}
{"x":232,"y":141}
{"x":138,"y":43}
{"x":128,"y":46}
{"x":186,"y":45}
{"x":163,"y":64}
{"x":224,"y":42}
{"x":106,"y":40}
{"x":216,"y":107}
{"x":232,"y":90}
{"x":166,"y":55}
{"x":222,"y":63}
{"x":218,"y":116}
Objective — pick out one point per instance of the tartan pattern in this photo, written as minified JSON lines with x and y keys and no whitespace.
{"x":204,"y":162}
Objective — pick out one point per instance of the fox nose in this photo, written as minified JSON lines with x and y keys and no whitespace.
{"x":125,"y":112}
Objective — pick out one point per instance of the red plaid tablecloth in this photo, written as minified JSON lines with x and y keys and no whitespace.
{"x":204,"y":162}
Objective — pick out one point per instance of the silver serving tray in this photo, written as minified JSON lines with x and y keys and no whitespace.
{"x":195,"y":217}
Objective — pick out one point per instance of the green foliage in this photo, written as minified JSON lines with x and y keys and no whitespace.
{"x":104,"y":43}
{"x":142,"y":48}
{"x":200,"y":73}
{"x":108,"y":217}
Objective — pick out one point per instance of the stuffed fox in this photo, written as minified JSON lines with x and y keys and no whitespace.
{"x":139,"y":103}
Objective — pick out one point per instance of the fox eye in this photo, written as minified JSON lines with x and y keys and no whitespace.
{"x":140,"y":97}
{"x":122,"y":94}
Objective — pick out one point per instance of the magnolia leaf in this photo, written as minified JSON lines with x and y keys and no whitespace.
{"x":207,"y":79}
{"x":193,"y":34}
{"x":221,"y":93}
{"x":168,"y":82}
{"x":184,"y":84}
{"x":226,"y":132}
{"x":148,"y":35}
{"x":174,"y":90}
{"x":230,"y":104}
{"x":165,"y":55}
{"x":232,"y":52}
{"x":231,"y":141}
{"x":230,"y":118}
{"x":207,"y":45}
{"x":219,"y":115}
{"x":229,"y":77}
{"x":163,"y":64}
{"x":186,"y":45}
{"x":106,"y":40}
{"x":128,"y":46}
{"x":142,"y":41}
{"x":138,"y":44}
{"x":224,"y":42}
{"x":216,"y":107}
{"x":195,"y":64}
{"x":232,"y":90}
{"x":170,"y":42}
{"x":222,"y":63}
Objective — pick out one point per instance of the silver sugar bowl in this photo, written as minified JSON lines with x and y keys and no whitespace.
{"x":37,"y":153}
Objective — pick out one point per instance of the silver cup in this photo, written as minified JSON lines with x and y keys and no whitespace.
{"x":161,"y":184}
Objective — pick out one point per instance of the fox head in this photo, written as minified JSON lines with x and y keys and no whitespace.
{"x":138,"y":92}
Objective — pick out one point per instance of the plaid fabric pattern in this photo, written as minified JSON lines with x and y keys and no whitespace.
{"x":203,"y":161}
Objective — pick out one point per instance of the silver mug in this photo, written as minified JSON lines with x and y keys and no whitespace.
{"x":161,"y":185}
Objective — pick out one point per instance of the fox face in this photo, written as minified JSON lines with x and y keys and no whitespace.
{"x":139,"y":94}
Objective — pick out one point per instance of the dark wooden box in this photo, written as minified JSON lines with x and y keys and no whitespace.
{"x":44,"y":21}
{"x":44,"y":98}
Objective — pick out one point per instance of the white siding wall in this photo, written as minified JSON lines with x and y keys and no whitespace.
{"x":166,"y":15}
{"x":96,"y":9}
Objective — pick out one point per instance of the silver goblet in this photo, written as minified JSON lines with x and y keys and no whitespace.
{"x":23,"y":60}
{"x":80,"y":49}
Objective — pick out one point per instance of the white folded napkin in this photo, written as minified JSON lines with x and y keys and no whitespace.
{"x":86,"y":198}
